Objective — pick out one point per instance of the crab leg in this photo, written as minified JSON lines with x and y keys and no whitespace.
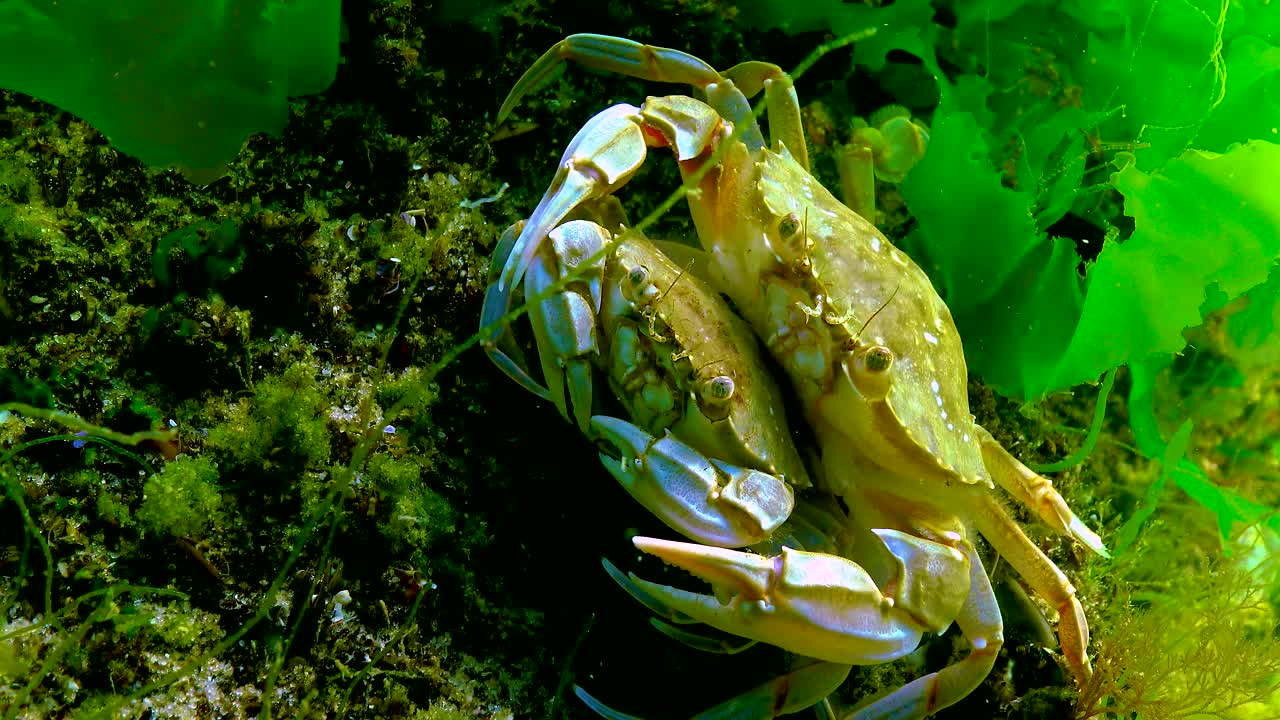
{"x":780,"y":100}
{"x":564,"y":323}
{"x":1036,"y":492}
{"x":1045,"y":579}
{"x":604,"y":154}
{"x":726,"y":93}
{"x":823,"y":606}
{"x":647,"y":62}
{"x":494,"y":337}
{"x":979,"y":620}
{"x":706,"y":500}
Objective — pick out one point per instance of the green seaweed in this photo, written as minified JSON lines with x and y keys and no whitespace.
{"x":183,"y":499}
{"x":172,"y":84}
{"x":1035,"y":325}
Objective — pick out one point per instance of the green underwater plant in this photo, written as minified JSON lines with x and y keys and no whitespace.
{"x":171,"y":83}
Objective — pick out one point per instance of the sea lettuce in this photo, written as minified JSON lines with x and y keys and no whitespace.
{"x":1032,"y":324}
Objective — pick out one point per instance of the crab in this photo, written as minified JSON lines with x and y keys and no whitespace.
{"x":880,"y":551}
{"x":697,"y":451}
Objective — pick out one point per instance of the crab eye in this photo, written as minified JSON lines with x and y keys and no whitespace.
{"x":793,"y":242}
{"x":638,"y":276}
{"x":714,"y":395}
{"x":788,"y":226}
{"x":720,"y":388}
{"x":637,"y":288}
{"x":877,"y":358}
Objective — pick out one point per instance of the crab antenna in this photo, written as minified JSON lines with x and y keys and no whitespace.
{"x":883,"y":305}
{"x":670,"y":287}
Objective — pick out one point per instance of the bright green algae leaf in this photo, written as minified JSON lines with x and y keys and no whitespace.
{"x":1204,"y":219}
{"x":171,"y":83}
{"x":1252,"y":326}
{"x":1250,"y":108}
{"x":1177,"y":75}
{"x":1031,"y":324}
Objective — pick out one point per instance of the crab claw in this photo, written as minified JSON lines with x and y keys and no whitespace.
{"x":705,"y":500}
{"x":604,"y":154}
{"x":822,"y":606}
{"x":564,"y":322}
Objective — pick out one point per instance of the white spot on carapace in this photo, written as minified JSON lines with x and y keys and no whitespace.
{"x":933,"y":339}
{"x":951,"y":426}
{"x":830,"y":213}
{"x":934,"y":386}
{"x":939,"y":399}
{"x":937,"y":322}
{"x":966,"y":437}
{"x":944,"y":417}
{"x":875,"y":244}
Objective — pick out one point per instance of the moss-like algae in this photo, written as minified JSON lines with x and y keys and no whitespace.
{"x":183,"y":499}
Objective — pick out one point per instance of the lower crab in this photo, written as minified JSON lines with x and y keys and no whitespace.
{"x":855,"y":570}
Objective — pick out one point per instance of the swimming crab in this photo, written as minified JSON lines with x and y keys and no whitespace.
{"x":855,"y":570}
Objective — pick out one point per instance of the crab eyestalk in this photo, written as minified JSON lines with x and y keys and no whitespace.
{"x":871,"y":372}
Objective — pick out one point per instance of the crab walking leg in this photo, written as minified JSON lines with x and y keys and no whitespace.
{"x":1036,"y":492}
{"x":781,"y":102}
{"x":706,"y":500}
{"x":786,"y":694}
{"x":790,"y":693}
{"x":726,"y":93}
{"x":646,"y":62}
{"x":1045,"y":579}
{"x":979,"y":620}
{"x":564,"y":323}
{"x":495,"y":339}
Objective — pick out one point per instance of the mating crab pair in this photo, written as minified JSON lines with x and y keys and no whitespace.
{"x":854,"y":570}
